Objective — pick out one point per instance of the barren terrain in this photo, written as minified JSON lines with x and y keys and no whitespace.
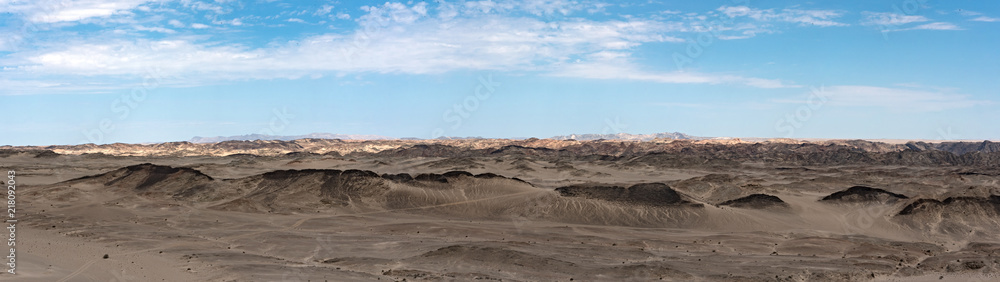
{"x":508,"y":210}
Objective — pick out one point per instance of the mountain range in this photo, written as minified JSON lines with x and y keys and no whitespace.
{"x":580,"y":137}
{"x":250,"y":137}
{"x":627,"y":136}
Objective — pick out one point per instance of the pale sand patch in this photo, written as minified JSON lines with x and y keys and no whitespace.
{"x":47,"y":256}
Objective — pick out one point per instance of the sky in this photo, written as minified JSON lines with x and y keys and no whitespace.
{"x":135,"y":71}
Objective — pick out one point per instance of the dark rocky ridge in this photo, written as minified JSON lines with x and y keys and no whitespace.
{"x":990,"y":206}
{"x":863,"y":194}
{"x":650,"y":194}
{"x":37,"y":153}
{"x":689,"y":154}
{"x":756,"y":201}
{"x":150,"y":179}
{"x":958,"y":148}
{"x":443,"y":178}
{"x":333,"y":186}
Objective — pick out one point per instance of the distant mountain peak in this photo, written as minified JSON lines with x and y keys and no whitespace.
{"x":626,"y":136}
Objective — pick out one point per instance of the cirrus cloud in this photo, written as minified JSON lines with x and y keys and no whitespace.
{"x":908,"y":98}
{"x":390,"y":38}
{"x":53,"y":11}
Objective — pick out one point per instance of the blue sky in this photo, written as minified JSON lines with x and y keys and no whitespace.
{"x":105,"y":71}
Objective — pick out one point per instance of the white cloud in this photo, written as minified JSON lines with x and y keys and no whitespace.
{"x":53,"y":11}
{"x":424,"y":47}
{"x":233,"y":22}
{"x":11,"y":42}
{"x":897,"y":99}
{"x":979,"y":17}
{"x":969,"y":13}
{"x":742,"y":22}
{"x":324,"y":10}
{"x":202,"y":6}
{"x":483,"y":6}
{"x":615,"y":66}
{"x":894,"y":22}
{"x":154,"y":29}
{"x":743,"y":35}
{"x":176,"y":23}
{"x":937,"y":26}
{"x":811,"y":17}
{"x":823,"y":18}
{"x":396,"y":12}
{"x":545,"y":7}
{"x":296,"y":20}
{"x":393,"y":38}
{"x":893,"y":19}
{"x":533,"y":7}
{"x":985,"y":19}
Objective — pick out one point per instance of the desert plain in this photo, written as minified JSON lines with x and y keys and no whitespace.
{"x":508,"y":210}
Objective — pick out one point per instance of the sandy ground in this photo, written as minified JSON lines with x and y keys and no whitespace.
{"x":508,"y":232}
{"x":50,"y":256}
